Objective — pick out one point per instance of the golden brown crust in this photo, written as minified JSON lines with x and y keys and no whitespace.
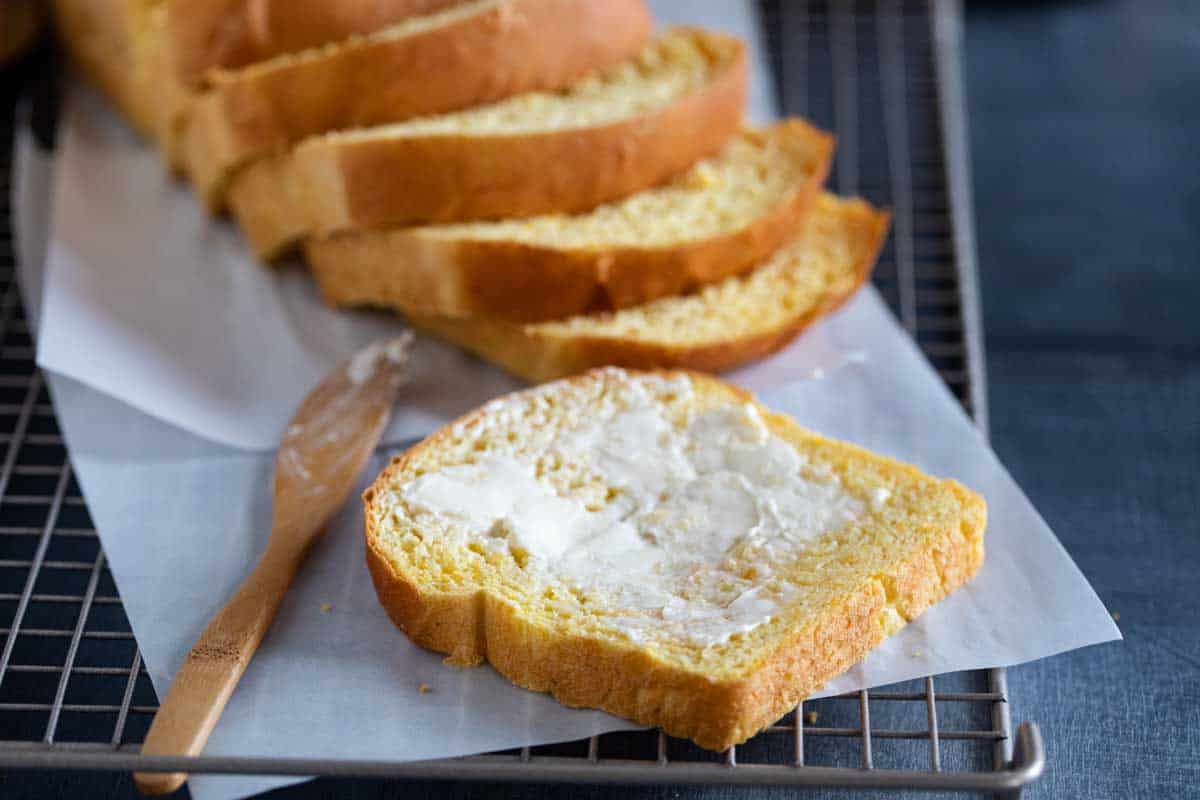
{"x":422,"y":275}
{"x":119,"y":46}
{"x":529,"y":352}
{"x":233,"y":33}
{"x":99,"y":36}
{"x":357,"y":184}
{"x":629,"y":681}
{"x":516,"y":46}
{"x":164,"y":93}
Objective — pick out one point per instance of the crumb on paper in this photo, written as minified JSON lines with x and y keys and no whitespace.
{"x":916,"y":653}
{"x":811,"y":717}
{"x":1116,"y":615}
{"x":453,"y":660}
{"x":425,"y":688}
{"x":326,"y":608}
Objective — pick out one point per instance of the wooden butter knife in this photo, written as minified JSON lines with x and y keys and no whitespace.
{"x":323,"y":450}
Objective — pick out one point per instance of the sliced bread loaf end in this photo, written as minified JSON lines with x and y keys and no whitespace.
{"x":103,"y":39}
{"x":721,"y":218}
{"x":718,"y":327}
{"x":614,"y":133}
{"x":662,"y":547}
{"x":478,"y":52}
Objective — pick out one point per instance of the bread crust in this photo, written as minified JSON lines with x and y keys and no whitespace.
{"x":169,"y":98}
{"x":516,"y":46}
{"x":423,"y":275}
{"x":100,"y":38}
{"x":631,"y":682}
{"x":348,"y":184}
{"x":233,"y":33}
{"x":119,"y":46}
{"x":535,"y":355}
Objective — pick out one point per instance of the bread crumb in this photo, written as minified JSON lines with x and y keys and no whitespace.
{"x":1116,"y":616}
{"x":425,"y":688}
{"x":326,"y":608}
{"x":458,"y":661}
{"x":703,"y":176}
{"x":916,"y":653}
{"x":811,"y":717}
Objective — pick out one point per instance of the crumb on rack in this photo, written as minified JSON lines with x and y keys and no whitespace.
{"x":326,"y":608}
{"x":1116,"y":615}
{"x":425,"y":688}
{"x":811,"y":717}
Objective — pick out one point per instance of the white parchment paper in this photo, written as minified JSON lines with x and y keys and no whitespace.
{"x":182,"y":514}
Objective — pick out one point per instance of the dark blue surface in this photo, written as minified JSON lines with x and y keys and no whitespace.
{"x":1084,"y":122}
{"x":1085,"y":126}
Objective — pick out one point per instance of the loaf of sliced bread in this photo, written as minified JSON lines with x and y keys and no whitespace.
{"x":233,"y":33}
{"x":478,"y":52}
{"x":723,"y":325}
{"x":614,"y":133}
{"x":660,"y":546}
{"x":721,"y":218}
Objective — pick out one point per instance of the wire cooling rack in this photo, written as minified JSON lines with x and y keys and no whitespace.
{"x":885,"y":77}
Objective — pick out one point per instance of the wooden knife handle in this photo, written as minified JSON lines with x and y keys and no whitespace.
{"x":213,"y":668}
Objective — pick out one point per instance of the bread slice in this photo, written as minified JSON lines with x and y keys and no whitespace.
{"x":721,"y":326}
{"x":614,"y":133}
{"x":721,"y":218}
{"x":662,"y":547}
{"x":478,"y":52}
{"x":234,"y":33}
{"x":104,"y":39}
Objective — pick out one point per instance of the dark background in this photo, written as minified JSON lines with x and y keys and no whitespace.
{"x":1085,"y":130}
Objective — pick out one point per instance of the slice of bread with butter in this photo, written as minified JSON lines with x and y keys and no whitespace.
{"x":616,"y":132}
{"x":718,"y":327}
{"x":480,"y":51}
{"x":722,"y":217}
{"x":660,"y":546}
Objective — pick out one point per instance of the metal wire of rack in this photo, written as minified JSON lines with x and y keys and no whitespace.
{"x":885,"y":76}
